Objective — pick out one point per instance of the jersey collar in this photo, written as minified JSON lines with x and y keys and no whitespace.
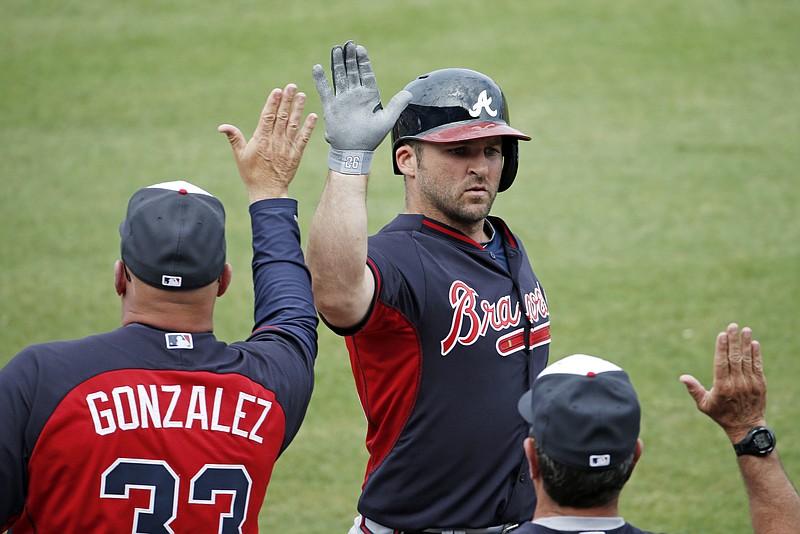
{"x":406,"y":221}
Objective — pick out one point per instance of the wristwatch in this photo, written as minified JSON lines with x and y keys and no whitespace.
{"x":759,"y":441}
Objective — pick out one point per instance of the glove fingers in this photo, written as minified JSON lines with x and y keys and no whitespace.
{"x":365,"y":69}
{"x":351,"y":64}
{"x":354,"y":119}
{"x":338,"y":70}
{"x":323,"y":88}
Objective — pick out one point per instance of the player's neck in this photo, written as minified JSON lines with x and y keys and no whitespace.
{"x":473,"y":227}
{"x":479,"y":231}
{"x":546,"y":507}
{"x":173,"y":316}
{"x":177,"y":311}
{"x":170,"y":319}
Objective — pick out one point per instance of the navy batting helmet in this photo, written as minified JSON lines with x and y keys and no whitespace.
{"x":450,"y":105}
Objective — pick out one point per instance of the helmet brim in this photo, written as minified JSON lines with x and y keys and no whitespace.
{"x":465,"y":131}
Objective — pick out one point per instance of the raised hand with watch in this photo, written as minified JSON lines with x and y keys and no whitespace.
{"x":737,"y":402}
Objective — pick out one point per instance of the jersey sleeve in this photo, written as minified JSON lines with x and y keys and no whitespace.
{"x":399,"y":273}
{"x":284,"y":312}
{"x":13,"y":423}
{"x":282,"y":282}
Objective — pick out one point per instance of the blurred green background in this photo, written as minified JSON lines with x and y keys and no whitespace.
{"x":659,"y":199}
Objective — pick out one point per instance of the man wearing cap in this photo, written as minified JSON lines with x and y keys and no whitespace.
{"x":444,"y":319}
{"x":158,"y":426}
{"x":584,"y":440}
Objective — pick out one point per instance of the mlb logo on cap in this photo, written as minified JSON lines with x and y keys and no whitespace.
{"x":600,"y":460}
{"x":179,"y":341}
{"x":171,"y":281}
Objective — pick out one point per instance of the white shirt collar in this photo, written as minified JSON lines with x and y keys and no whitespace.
{"x":587,"y":525}
{"x":488,"y":226}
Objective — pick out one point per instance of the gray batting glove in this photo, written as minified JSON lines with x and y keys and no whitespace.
{"x":355,"y":121}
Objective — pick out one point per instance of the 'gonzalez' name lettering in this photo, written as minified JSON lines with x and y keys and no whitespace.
{"x":172,"y":406}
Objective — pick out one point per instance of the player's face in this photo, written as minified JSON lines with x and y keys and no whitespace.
{"x":458,"y":182}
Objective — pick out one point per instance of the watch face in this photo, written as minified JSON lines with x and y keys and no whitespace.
{"x":762,"y":440}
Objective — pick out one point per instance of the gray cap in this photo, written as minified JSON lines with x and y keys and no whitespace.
{"x":584,"y":412}
{"x":173,"y":236}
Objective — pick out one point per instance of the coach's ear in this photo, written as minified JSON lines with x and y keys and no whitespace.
{"x":225,"y":279}
{"x":120,"y":278}
{"x":533,"y":461}
{"x":637,"y":452}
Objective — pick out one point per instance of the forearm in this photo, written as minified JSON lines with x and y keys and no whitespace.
{"x":337,"y":250}
{"x":282,"y":284}
{"x":774,"y":502}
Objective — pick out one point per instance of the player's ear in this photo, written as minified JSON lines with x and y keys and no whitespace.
{"x":120,"y":278}
{"x":225,"y":279}
{"x":406,"y":160}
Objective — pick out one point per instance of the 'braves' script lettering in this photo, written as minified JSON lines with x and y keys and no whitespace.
{"x":536,"y":305}
{"x":473,"y":318}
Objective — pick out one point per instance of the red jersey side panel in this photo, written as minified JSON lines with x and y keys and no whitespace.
{"x":388,"y":386}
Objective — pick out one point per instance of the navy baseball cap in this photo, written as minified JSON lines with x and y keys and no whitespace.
{"x":173,"y":236}
{"x":584,"y":412}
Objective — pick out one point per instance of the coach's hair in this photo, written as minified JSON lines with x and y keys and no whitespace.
{"x":579,"y":488}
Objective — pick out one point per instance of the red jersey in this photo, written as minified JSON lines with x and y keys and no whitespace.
{"x":142,"y":430}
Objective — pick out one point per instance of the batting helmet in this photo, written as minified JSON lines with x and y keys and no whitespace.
{"x":450,"y":105}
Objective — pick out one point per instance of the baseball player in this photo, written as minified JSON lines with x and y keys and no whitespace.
{"x":158,"y":426}
{"x":584,"y":440}
{"x":443,"y":317}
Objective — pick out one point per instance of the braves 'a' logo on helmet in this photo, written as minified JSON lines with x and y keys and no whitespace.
{"x":484,"y":101}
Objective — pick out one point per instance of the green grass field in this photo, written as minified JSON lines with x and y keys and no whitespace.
{"x":659,"y":200}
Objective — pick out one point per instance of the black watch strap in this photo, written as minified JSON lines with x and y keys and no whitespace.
{"x":759,"y":441}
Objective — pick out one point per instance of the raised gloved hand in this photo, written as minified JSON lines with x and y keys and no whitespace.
{"x":355,"y":121}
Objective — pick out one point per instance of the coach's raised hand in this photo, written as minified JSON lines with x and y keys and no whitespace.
{"x":737,"y":402}
{"x":355,"y":122}
{"x":269,"y":161}
{"x":738,"y":398}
